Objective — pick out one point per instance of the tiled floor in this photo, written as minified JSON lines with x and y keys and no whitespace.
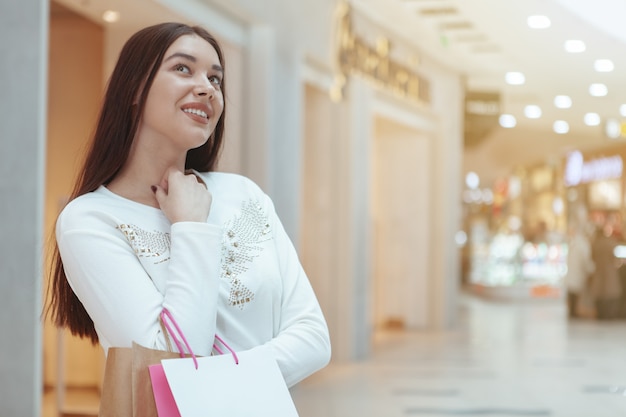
{"x":502,"y":360}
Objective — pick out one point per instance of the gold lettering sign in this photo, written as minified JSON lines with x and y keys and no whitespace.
{"x":354,"y":55}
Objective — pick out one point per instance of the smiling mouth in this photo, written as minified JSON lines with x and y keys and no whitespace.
{"x":197,"y":112}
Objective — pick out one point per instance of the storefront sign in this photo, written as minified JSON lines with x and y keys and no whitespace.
{"x":355,"y":55}
{"x":482,"y":110}
{"x":577,"y":171}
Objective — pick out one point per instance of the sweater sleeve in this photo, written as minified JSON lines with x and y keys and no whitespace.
{"x":119,"y":295}
{"x":302,"y":345}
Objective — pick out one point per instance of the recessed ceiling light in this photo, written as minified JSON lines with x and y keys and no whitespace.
{"x":538,"y":22}
{"x":514,"y":78}
{"x":574,"y":46}
{"x":472,"y":180}
{"x":622,"y":110}
{"x":598,"y":90}
{"x":507,"y":121}
{"x":561,"y":127}
{"x":603,"y":65}
{"x":592,"y":119}
{"x":532,"y":111}
{"x":613,"y":128}
{"x":558,"y":205}
{"x":563,"y":102}
{"x":111,"y":16}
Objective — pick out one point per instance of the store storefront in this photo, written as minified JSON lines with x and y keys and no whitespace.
{"x":518,"y":246}
{"x":595,"y":185}
{"x":365,"y":182}
{"x":518,"y":242}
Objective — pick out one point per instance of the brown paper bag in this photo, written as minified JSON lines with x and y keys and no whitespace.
{"x":116,"y":396}
{"x":143,"y":397}
{"x":127,"y":388}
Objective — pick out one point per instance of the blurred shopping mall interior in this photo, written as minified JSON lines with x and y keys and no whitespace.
{"x":432,"y":160}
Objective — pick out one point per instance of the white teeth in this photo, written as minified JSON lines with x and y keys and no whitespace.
{"x":196,"y":111}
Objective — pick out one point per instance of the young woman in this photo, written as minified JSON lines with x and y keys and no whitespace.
{"x":151,"y":225}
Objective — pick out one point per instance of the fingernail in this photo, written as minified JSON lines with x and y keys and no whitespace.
{"x":153,"y":188}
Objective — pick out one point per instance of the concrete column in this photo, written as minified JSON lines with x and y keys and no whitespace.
{"x":353,"y":281}
{"x":23,"y":82}
{"x":259,"y":126}
{"x":285,"y":164}
{"x":360,"y":219}
{"x":447,"y":157}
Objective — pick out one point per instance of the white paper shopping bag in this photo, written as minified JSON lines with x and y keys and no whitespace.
{"x":220,"y":387}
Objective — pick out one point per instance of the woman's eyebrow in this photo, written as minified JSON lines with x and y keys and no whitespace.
{"x":181,"y":55}
{"x":192,"y":59}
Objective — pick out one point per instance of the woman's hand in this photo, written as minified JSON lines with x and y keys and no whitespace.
{"x":182,"y":198}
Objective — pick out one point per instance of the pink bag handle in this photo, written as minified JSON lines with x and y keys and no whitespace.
{"x":166,"y":314}
{"x":217,"y":348}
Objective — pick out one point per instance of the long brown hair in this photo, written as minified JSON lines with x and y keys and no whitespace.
{"x":115,"y":131}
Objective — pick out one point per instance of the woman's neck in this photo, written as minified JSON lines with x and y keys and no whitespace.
{"x":136,"y":178}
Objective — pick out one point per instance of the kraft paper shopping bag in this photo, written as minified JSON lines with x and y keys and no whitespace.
{"x":127,"y":387}
{"x":116,"y":399}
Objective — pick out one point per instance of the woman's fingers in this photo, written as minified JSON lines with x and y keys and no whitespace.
{"x":183,"y":198}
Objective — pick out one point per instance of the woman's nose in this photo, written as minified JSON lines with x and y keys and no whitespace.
{"x":204,"y":87}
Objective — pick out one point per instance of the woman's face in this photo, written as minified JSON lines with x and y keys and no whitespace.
{"x":185,"y":100}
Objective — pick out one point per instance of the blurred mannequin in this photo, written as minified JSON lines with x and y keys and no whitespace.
{"x":605,"y":283}
{"x":580,"y":266}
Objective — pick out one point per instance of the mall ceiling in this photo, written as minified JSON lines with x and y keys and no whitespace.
{"x":485,"y":39}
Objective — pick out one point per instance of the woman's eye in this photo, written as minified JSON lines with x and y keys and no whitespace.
{"x":182,"y":68}
{"x":214,"y":79}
